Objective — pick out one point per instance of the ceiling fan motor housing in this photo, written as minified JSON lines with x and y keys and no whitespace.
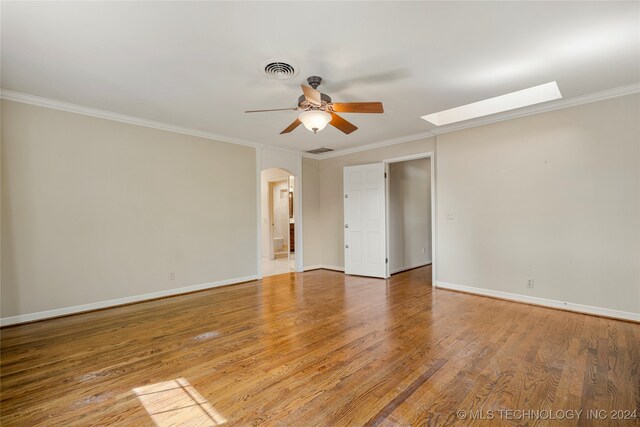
{"x":314,"y":81}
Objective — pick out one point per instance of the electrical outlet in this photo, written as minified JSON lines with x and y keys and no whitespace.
{"x":172,"y":275}
{"x":530,"y":282}
{"x":450,"y":215}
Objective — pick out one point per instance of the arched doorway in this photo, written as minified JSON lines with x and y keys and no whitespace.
{"x":277,"y":217}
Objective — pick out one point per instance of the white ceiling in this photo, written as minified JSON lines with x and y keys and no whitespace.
{"x":197,"y":65}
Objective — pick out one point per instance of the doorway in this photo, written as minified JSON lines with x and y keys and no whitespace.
{"x":389,"y":222}
{"x":278,"y":223}
{"x":409,"y":214}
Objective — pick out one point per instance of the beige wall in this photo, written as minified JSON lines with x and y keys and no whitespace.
{"x":555,"y":196}
{"x":312,"y":225}
{"x":94,"y":210}
{"x":331,"y":192}
{"x":409,"y":214}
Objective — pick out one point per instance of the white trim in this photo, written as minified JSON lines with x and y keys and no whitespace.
{"x":411,"y":267}
{"x":297,"y":226}
{"x":521,"y":112}
{"x":297,"y":208}
{"x":259,"y":212}
{"x":431,"y":155}
{"x":434,"y":212}
{"x":324,"y":267}
{"x":587,"y":309}
{"x":541,"y":108}
{"x":527,"y":111}
{"x":38,"y":101}
{"x":284,"y":150}
{"x":387,"y":218}
{"x":333,"y":267}
{"x":371,"y":146}
{"x":5,"y":321}
{"x":409,"y":157}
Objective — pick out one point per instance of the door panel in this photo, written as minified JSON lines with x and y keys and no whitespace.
{"x":355,"y":207}
{"x":365,"y":220}
{"x":373,"y":200}
{"x":355,"y":247}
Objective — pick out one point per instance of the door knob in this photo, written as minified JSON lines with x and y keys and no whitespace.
{"x":346,"y":226}
{"x":346,"y":246}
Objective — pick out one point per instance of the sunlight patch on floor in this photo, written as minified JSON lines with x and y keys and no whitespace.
{"x":177,"y":402}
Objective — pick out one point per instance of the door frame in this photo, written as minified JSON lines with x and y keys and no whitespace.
{"x":297,"y":205}
{"x":425,"y":155}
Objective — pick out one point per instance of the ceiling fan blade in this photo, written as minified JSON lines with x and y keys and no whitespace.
{"x":312,"y":95}
{"x":275,"y":109}
{"x":357,"y":107}
{"x":342,"y":124}
{"x":292,"y":126}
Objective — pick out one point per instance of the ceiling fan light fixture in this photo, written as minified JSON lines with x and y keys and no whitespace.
{"x":319,"y":110}
{"x":315,"y":120}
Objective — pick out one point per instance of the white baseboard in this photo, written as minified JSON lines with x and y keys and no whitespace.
{"x":569,"y":306}
{"x":323,"y":266}
{"x":22,"y":318}
{"x":333,"y":267}
{"x":411,"y":267}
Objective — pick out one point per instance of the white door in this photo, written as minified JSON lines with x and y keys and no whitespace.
{"x":365,"y":220}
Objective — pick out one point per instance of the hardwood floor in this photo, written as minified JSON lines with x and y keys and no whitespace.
{"x":319,"y":348}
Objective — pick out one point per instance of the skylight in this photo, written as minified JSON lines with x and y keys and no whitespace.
{"x":510,"y":101}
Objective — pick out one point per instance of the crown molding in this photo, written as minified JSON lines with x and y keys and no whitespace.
{"x":542,"y":108}
{"x":39,"y":101}
{"x":109,"y":115}
{"x":528,"y":111}
{"x":379,"y":144}
{"x":522,"y":112}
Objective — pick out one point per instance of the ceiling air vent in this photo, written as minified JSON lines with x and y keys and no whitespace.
{"x":280,"y":70}
{"x":320,"y":150}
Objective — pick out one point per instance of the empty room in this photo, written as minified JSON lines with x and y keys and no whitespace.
{"x":320,"y":213}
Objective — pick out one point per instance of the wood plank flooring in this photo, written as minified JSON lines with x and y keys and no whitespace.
{"x":319,"y":349}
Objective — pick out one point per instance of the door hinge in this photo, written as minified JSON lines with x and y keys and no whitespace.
{"x":386,"y":260}
{"x":385,"y":174}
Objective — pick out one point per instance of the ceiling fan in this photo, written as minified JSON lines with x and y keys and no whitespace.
{"x":318,"y":110}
